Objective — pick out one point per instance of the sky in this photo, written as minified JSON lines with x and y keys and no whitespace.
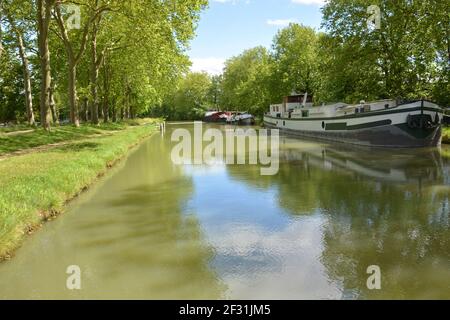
{"x":228,"y":27}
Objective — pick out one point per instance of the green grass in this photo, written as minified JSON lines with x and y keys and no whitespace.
{"x":18,"y":127}
{"x":40,"y":137}
{"x":37,"y":185}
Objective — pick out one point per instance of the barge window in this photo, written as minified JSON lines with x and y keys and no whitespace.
{"x":305,"y":113}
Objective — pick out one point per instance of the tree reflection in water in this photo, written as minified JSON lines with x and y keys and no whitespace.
{"x":382,"y":207}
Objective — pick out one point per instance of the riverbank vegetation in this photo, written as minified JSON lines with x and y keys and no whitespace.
{"x":22,"y":141}
{"x":35,"y":186}
{"x":407,"y":57}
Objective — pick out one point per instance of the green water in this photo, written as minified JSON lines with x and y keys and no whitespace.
{"x":155,"y":230}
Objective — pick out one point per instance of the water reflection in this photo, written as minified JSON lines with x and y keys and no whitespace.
{"x":130,"y":236}
{"x":379,"y":208}
{"x":156,"y":230}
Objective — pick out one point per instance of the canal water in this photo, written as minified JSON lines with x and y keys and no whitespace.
{"x":155,"y":230}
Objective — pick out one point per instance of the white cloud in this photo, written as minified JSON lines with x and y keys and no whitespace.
{"x":211,"y":65}
{"x":291,"y":258}
{"x":318,"y":2}
{"x":280,"y":22}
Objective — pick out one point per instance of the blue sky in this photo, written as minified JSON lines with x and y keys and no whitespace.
{"x":228,"y":27}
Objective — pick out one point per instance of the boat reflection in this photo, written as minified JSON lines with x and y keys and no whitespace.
{"x":384,"y":208}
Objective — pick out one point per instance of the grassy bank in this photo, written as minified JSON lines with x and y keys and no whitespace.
{"x":10,"y":142}
{"x":36,"y":186}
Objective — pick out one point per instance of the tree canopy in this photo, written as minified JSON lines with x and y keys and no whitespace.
{"x":89,"y":59}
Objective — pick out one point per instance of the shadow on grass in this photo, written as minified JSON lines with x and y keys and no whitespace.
{"x":40,"y":137}
{"x":78,"y":147}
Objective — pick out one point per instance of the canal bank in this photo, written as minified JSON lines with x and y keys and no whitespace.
{"x":35,"y":186}
{"x":151,"y":229}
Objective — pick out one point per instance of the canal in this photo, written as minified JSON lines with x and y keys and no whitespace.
{"x":151,"y":229}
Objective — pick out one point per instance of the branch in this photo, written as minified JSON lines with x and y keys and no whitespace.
{"x":85,"y":36}
{"x":108,"y":48}
{"x":58,"y":34}
{"x":64,"y":36}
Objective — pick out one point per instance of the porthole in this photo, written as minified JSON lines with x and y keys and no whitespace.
{"x":323,"y":124}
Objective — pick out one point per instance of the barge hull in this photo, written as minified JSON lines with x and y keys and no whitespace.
{"x":392,"y":136}
{"x":413,"y":125}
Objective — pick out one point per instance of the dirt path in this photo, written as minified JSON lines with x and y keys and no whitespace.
{"x":47,"y":147}
{"x":17,"y":133}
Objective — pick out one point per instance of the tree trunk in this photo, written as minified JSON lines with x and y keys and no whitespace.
{"x":1,"y":38}
{"x":53,"y":109}
{"x":73,"y":103}
{"x":85,"y":110}
{"x":105,"y":110}
{"x":94,"y":75}
{"x":114,"y":113}
{"x":127,"y":103}
{"x":74,"y":58}
{"x":26,"y":77}
{"x":44,"y":13}
{"x":106,"y":82}
{"x":132,"y":115}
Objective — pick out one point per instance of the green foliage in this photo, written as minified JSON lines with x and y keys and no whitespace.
{"x":407,"y":57}
{"x":190,"y":100}
{"x":295,"y":61}
{"x":12,"y":106}
{"x":245,"y":81}
{"x":141,"y":54}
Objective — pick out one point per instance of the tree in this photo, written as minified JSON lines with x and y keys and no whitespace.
{"x":11,"y":80}
{"x":190,"y":100}
{"x":295,"y":61}
{"x":215,"y":91}
{"x":73,"y":56}
{"x":44,"y":9}
{"x":18,"y":26}
{"x":407,"y":57}
{"x":245,"y":81}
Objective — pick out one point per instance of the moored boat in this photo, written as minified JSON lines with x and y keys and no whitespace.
{"x":217,"y":116}
{"x":243,"y":119}
{"x":387,"y":123}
